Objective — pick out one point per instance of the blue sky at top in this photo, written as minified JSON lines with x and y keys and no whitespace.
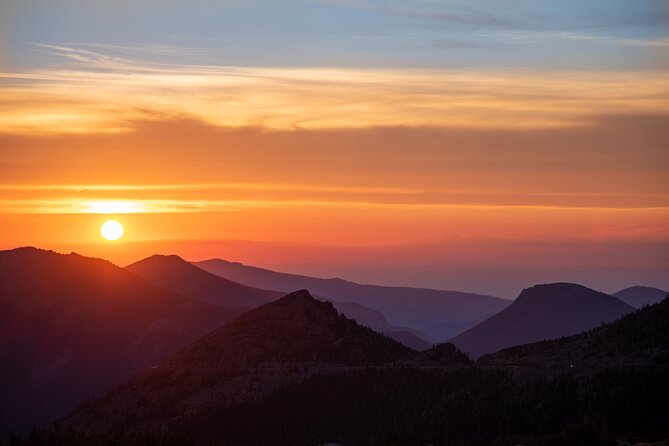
{"x":569,"y":35}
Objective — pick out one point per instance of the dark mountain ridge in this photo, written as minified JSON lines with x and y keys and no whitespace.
{"x":295,"y":372}
{"x":542,"y":312}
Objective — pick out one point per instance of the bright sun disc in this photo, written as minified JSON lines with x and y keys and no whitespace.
{"x":111,"y":230}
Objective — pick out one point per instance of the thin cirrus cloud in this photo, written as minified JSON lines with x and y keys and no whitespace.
{"x":103,"y":93}
{"x":534,"y":36}
{"x":163,"y":198}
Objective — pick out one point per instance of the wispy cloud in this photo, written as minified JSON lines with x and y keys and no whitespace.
{"x":534,"y":36}
{"x":103,"y":93}
{"x":447,"y":12}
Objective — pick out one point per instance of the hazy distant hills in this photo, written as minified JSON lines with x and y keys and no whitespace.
{"x":282,"y":342}
{"x":638,"y":340}
{"x":638,"y":296}
{"x":539,"y":313}
{"x":376,"y":321}
{"x":73,"y":327}
{"x":174,"y":274}
{"x":440,"y":314}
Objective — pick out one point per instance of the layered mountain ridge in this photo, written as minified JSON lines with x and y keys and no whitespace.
{"x":438,"y":313}
{"x":173,"y":273}
{"x":73,"y":327}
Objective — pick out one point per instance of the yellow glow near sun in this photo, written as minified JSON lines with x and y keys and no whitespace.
{"x":111,"y":230}
{"x":114,"y":207}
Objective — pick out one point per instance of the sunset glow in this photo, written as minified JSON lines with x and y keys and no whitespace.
{"x":215,"y":216}
{"x":424,"y":132}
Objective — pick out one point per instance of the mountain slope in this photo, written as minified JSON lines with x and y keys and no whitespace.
{"x":376,"y":321}
{"x":638,"y":296}
{"x":542,"y":312}
{"x":175,"y":274}
{"x":408,"y":338}
{"x":279,"y":343}
{"x":440,"y":314}
{"x":639,"y":340}
{"x":72,"y":327}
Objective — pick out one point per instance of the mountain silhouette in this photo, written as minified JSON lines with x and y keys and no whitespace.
{"x":539,"y":313}
{"x":72,"y":327}
{"x":594,"y":378}
{"x":174,"y":274}
{"x":638,"y":296}
{"x":439,"y":314}
{"x":637,"y":341}
{"x":279,"y":343}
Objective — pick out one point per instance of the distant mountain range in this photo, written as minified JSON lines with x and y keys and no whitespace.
{"x":73,"y":327}
{"x":638,"y":296}
{"x":174,"y":274}
{"x":440,"y":314}
{"x":542,"y":312}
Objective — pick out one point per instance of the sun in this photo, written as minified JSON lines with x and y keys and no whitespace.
{"x":111,"y":230}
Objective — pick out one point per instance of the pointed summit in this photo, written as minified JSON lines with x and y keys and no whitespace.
{"x":298,"y":327}
{"x":302,"y":295}
{"x":277,"y":344}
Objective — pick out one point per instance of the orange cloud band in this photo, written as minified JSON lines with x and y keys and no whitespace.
{"x":107,"y":95}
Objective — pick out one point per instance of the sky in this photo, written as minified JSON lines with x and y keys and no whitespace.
{"x":472,"y":145}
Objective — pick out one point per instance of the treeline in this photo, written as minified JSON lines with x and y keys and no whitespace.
{"x":469,"y":406}
{"x":465,"y":407}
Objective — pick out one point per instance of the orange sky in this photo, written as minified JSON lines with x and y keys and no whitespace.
{"x":476,"y":196}
{"x":593,"y":194}
{"x":506,"y":164}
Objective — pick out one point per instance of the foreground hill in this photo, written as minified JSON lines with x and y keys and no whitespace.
{"x":412,"y":400}
{"x":439,"y":314}
{"x":638,"y":340}
{"x":173,"y":273}
{"x":539,"y":313}
{"x":279,"y":343}
{"x":638,"y":296}
{"x":72,"y":327}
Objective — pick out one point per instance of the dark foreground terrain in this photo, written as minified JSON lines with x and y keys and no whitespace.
{"x":397,"y":396}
